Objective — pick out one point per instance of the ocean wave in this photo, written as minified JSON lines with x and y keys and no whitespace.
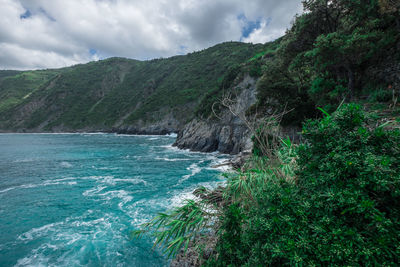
{"x":220,"y":164}
{"x":45,"y":183}
{"x":97,"y":133}
{"x":102,"y":221}
{"x":173,"y":148}
{"x":108,"y":196}
{"x":137,"y":135}
{"x":122,"y":194}
{"x":66,"y":164}
{"x":73,"y":241}
{"x":180,"y":198}
{"x":174,"y":135}
{"x":35,"y":233}
{"x":111,"y":180}
{"x":104,"y":168}
{"x":169,"y":159}
{"x":17,"y":187}
{"x":194,"y":168}
{"x":24,"y":160}
{"x":131,"y":181}
{"x":106,"y":179}
{"x":137,"y":215}
{"x":93,"y":191}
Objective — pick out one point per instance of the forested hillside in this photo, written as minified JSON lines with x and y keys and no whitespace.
{"x":117,"y":93}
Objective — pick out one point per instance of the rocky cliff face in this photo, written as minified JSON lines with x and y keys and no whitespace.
{"x":226,"y":134}
{"x":166,"y":125}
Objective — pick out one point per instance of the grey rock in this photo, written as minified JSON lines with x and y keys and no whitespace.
{"x":228,"y":134}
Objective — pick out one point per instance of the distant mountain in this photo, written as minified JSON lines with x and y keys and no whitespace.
{"x":117,"y":94}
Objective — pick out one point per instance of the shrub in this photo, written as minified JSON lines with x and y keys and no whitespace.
{"x":340,"y":208}
{"x":381,"y":96}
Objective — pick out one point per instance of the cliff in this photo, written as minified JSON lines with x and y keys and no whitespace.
{"x":227,"y":133}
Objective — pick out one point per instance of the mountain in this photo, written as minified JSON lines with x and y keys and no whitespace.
{"x":320,"y":62}
{"x":118,"y":94}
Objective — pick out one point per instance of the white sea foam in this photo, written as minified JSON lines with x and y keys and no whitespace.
{"x":34,"y":260}
{"x":24,"y":160}
{"x":61,"y":179}
{"x":131,"y":181}
{"x":66,"y":164}
{"x":178,"y":199}
{"x":220,"y":164}
{"x":104,"y":168}
{"x":107,"y":179}
{"x":35,"y":233}
{"x":173,"y":148}
{"x":169,"y":159}
{"x":88,"y":223}
{"x":137,"y":216}
{"x":97,"y":133}
{"x":110,"y":195}
{"x":111,"y":180}
{"x":194,"y":168}
{"x":137,"y":135}
{"x":45,"y":183}
{"x":9,"y":189}
{"x":37,"y":133}
{"x":172,"y":135}
{"x":93,"y":191}
{"x":74,"y":237}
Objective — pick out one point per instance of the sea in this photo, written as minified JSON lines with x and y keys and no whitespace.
{"x":74,"y":199}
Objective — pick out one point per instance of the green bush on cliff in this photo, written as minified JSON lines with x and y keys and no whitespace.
{"x":335,"y":50}
{"x":340,"y":208}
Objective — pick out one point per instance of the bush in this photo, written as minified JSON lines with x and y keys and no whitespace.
{"x":340,"y":208}
{"x":381,"y":96}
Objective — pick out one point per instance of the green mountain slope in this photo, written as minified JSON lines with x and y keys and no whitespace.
{"x":116,"y":93}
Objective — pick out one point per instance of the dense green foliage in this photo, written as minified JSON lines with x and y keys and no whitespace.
{"x":117,"y":92}
{"x":180,"y":226}
{"x":15,"y":86}
{"x":340,"y":208}
{"x":336,"y":50}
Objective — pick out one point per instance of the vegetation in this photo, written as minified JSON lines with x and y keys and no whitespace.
{"x":16,"y":86}
{"x":340,"y":207}
{"x":334,"y":198}
{"x":337,"y":50}
{"x":116,"y":92}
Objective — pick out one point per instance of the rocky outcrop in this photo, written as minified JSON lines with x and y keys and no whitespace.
{"x":167,"y":125}
{"x":208,"y":136}
{"x":193,"y":257}
{"x":227,"y":134}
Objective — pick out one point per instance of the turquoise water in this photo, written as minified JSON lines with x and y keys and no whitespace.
{"x":73,"y":199}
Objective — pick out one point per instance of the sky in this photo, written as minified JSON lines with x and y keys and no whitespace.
{"x":38,"y":34}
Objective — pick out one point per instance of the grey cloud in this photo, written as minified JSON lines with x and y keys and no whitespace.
{"x":60,"y":33}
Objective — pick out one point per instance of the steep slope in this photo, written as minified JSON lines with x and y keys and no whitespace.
{"x":16,"y":86}
{"x":117,"y":94}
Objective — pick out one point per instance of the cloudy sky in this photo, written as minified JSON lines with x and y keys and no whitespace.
{"x":55,"y":33}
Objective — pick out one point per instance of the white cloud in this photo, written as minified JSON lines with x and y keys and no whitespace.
{"x":59,"y":33}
